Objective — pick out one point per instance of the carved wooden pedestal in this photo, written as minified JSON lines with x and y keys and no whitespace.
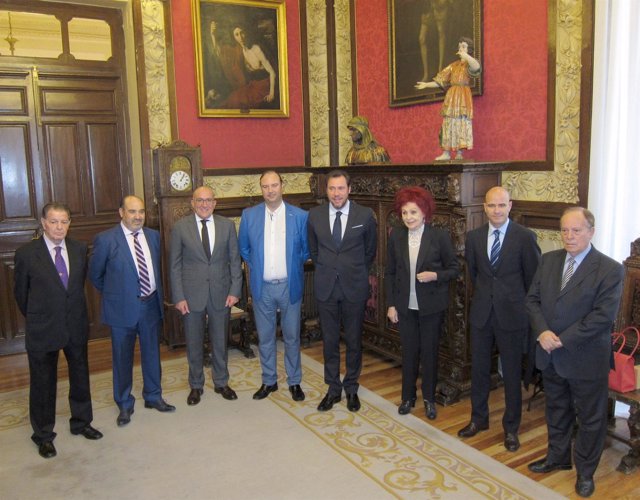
{"x":459,"y":191}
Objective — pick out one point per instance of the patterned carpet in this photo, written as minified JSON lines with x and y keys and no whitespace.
{"x":275,"y":448}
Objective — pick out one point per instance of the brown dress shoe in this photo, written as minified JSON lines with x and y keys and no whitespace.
{"x":471,"y":430}
{"x":194,"y":397}
{"x":227,"y":392}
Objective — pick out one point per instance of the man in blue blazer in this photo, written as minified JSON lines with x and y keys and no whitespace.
{"x":572,"y":303}
{"x":125,"y":268}
{"x":273,"y":243}
{"x":342,"y":242}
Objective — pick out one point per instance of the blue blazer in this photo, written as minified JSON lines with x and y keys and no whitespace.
{"x":251,"y":242}
{"x":113,"y":272}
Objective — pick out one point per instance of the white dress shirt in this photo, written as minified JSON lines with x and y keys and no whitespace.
{"x":275,"y":244}
{"x":343,"y":217}
{"x":145,"y":250}
{"x":51,"y":246}
{"x":211,"y":228}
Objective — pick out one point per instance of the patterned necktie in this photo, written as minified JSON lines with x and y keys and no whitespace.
{"x":568,"y":272}
{"x":206,"y":245}
{"x":495,"y":249}
{"x":143,"y":271}
{"x":337,"y":229}
{"x":61,"y":267}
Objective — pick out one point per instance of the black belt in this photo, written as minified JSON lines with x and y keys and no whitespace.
{"x":148,"y":297}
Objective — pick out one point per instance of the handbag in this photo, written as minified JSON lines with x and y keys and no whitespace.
{"x":622,"y":377}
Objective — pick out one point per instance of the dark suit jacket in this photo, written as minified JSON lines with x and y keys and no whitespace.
{"x":350,"y":262}
{"x":193,"y":277}
{"x":113,"y":272}
{"x":436,"y":254}
{"x":581,"y":314}
{"x":54,"y":316}
{"x":505,"y":288}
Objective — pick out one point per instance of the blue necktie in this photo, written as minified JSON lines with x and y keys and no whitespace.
{"x":495,"y":249}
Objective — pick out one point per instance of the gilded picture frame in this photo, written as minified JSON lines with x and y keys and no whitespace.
{"x":241,"y":58}
{"x":423,"y":40}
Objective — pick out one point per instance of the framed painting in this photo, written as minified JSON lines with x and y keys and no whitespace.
{"x":241,"y":58}
{"x":423,"y":40}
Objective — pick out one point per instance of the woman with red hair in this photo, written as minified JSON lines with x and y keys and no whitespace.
{"x":420,"y":264}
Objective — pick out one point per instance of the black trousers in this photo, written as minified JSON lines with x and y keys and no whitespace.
{"x":43,"y":371}
{"x":565,"y":400}
{"x":510,"y":345}
{"x":420,"y":339}
{"x":331,"y":311}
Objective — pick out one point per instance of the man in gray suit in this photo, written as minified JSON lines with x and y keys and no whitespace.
{"x":206,"y":280}
{"x":572,"y":303}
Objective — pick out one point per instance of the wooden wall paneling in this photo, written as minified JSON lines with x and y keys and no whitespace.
{"x":12,"y":325}
{"x":106,"y":182}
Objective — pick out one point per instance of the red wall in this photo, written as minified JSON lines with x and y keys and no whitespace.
{"x":509,"y":119}
{"x":238,"y":142}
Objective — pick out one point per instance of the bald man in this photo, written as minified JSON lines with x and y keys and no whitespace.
{"x":502,"y":257}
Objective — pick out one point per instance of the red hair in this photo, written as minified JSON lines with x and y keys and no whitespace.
{"x":418,"y":195}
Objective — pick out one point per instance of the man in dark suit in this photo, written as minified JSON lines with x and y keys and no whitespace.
{"x":49,"y":290}
{"x":277,"y":279}
{"x":125,"y":268}
{"x":342,"y":243}
{"x":206,"y":281}
{"x":502,"y":257}
{"x":572,"y":304}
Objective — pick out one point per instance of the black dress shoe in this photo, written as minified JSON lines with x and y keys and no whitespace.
{"x":227,"y":392}
{"x":160,"y":405}
{"x":430,"y":410}
{"x":88,"y":432}
{"x":511,"y":441}
{"x":194,"y":397}
{"x":353,"y":402}
{"x":471,"y":430}
{"x":406,"y":405}
{"x":585,"y":486}
{"x":296,"y":392}
{"x":542,"y":466}
{"x":124,"y":417}
{"x":265,"y":390}
{"x":328,"y":401}
{"x":47,"y":450}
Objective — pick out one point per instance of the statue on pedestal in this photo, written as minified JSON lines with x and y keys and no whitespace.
{"x":456,"y":132}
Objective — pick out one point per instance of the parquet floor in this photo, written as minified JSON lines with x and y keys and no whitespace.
{"x":383,"y":377}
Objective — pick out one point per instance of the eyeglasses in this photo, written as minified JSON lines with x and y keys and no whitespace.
{"x":203,"y":201}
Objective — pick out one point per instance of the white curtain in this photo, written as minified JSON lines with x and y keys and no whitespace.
{"x":614,"y":181}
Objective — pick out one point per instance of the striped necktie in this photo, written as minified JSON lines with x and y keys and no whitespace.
{"x":568,"y":272}
{"x":143,"y":271}
{"x":495,"y":249}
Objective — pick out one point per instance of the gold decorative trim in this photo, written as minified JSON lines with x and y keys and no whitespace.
{"x":318,"y":82}
{"x":344,"y":74}
{"x":155,"y":57}
{"x":231,"y":186}
{"x":561,"y":185}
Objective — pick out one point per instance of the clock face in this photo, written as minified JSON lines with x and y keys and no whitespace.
{"x":180,"y":180}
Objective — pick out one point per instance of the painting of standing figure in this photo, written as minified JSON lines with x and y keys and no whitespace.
{"x":241,"y":58}
{"x":423,"y":40}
